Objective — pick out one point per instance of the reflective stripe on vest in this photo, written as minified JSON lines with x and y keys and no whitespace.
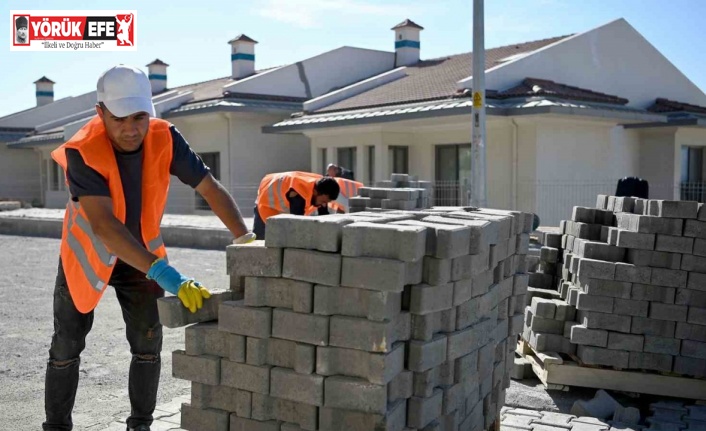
{"x":105,"y":257}
{"x":155,"y":243}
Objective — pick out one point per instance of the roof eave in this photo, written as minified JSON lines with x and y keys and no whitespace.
{"x":184,"y":112}
{"x":37,"y":143}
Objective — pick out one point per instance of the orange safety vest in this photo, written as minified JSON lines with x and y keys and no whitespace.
{"x":349,"y":189}
{"x":272,"y":194}
{"x":87,"y":262}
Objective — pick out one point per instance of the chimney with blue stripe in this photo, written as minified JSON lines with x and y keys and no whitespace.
{"x":242,"y":56}
{"x":44,"y":91}
{"x":407,"y":42}
{"x":157,"y":73}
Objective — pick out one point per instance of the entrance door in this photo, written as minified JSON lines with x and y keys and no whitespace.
{"x":453,"y":174}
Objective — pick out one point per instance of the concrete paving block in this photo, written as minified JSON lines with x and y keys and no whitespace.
{"x":299,"y":415}
{"x":414,"y":272}
{"x":468,"y":313}
{"x":355,"y":394}
{"x":462,"y":342}
{"x":633,"y":274}
{"x":401,"y":387}
{"x":246,"y":377}
{"x":545,"y":308}
{"x":254,"y":260}
{"x":483,"y":232}
{"x":655,"y":259}
{"x":423,"y":356}
{"x":422,"y":411}
{"x":597,"y":356}
{"x":193,"y":418}
{"x":377,"y":368}
{"x":405,"y":243}
{"x":697,"y":316}
{"x":349,"y":420}
{"x":522,"y":243}
{"x":269,"y":351}
{"x":668,"y":277}
{"x":520,"y":284}
{"x":663,"y":345}
{"x":245,"y":424}
{"x":312,"y":266}
{"x":602,"y":406}
{"x":444,"y":241}
{"x":583,"y":215}
{"x":202,"y":369}
{"x":541,"y":281}
{"x":468,"y":266}
{"x":696,"y":281}
{"x":455,"y":396}
{"x":322,"y":233}
{"x":699,"y":247}
{"x":546,"y":326}
{"x":647,"y":326}
{"x":279,"y":292}
{"x":206,"y":339}
{"x":590,"y":337}
{"x":436,"y":271}
{"x":688,"y":331}
{"x":693,"y":263}
{"x":601,"y":202}
{"x":661,"y":311}
{"x":373,"y":305}
{"x":463,"y":291}
{"x":694,"y":229}
{"x":379,"y":274}
{"x":236,"y":318}
{"x":693,"y":349}
{"x":590,"y":268}
{"x":629,"y":307}
{"x":425,"y":299}
{"x":601,"y":251}
{"x":651,"y":361}
{"x":649,"y":292}
{"x":673,"y":209}
{"x":588,"y":302}
{"x":632,"y":240}
{"x":362,"y":334}
{"x":609,"y":322}
{"x":423,"y":327}
{"x":303,"y":388}
{"x":627,"y":415}
{"x":675,"y":244}
{"x":609,"y":288}
{"x":221,"y":398}
{"x":173,"y":314}
{"x":304,"y":328}
{"x":629,"y":342}
{"x":690,"y":366}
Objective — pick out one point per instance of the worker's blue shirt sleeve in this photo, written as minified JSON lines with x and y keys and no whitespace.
{"x":297,"y":205}
{"x":83,"y":180}
{"x":186,"y":164}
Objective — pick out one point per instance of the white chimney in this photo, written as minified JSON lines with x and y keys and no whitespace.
{"x":242,"y":56}
{"x":407,"y":43}
{"x":157,"y":73}
{"x":44,"y":91}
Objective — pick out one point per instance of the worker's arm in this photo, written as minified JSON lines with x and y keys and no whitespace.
{"x":116,"y":237}
{"x":222,"y":204}
{"x":297,"y":204}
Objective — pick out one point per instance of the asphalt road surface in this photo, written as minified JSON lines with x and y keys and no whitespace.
{"x":28,"y":267}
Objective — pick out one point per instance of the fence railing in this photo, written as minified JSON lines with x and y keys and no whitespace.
{"x":693,"y":191}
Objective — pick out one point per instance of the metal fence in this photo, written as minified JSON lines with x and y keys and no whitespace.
{"x":693,"y":191}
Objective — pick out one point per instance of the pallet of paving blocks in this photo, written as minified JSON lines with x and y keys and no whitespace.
{"x":364,"y":322}
{"x":402,"y":192}
{"x":633,"y":294}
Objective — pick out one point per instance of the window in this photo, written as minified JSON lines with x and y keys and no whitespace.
{"x":213,"y":161}
{"x":371,"y":165}
{"x":692,"y":187}
{"x":399,"y":159}
{"x":56,"y":176}
{"x":347,"y":158}
{"x":453,"y":173}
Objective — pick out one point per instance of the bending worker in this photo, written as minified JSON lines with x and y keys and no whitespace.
{"x":349,"y":189}
{"x":299,"y":193}
{"x":118,"y":169}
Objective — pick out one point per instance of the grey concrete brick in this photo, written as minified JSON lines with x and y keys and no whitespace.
{"x":668,"y":277}
{"x":304,"y":358}
{"x":667,"y":346}
{"x":436,"y":271}
{"x":385,"y":275}
{"x":414,"y":272}
{"x":673,"y":209}
{"x":697,"y":316}
{"x":202,"y":369}
{"x":655,"y":259}
{"x":422,"y":411}
{"x":590,"y":337}
{"x":522,"y":243}
{"x":688,"y":331}
{"x":467,"y":340}
{"x":699,"y":247}
{"x":455,"y":396}
{"x":193,"y":418}
{"x":633,"y":274}
{"x":545,"y":308}
{"x":548,"y":254}
{"x":693,"y":349}
{"x":377,"y":368}
{"x":675,"y":244}
{"x":690,"y":366}
{"x":468,"y":313}
{"x":648,"y":292}
{"x":426,"y":355}
{"x":425,"y":299}
{"x":443,"y":241}
{"x":423,"y":327}
{"x":645,"y":326}
{"x":573,"y":296}
{"x":587,"y":302}
{"x":629,"y":307}
{"x":609,"y":288}
{"x":312,"y":266}
{"x":694,"y":229}
{"x":632,"y":240}
{"x":624,"y":204}
{"x":173,"y":314}
{"x":483,"y":232}
{"x":693,"y":263}
{"x":300,"y":416}
{"x":640,"y":206}
{"x":590,"y":268}
{"x":583,"y":215}
{"x":373,"y":305}
{"x":468,"y":266}
{"x":690,"y":297}
{"x":303,"y":388}
{"x":629,"y":342}
{"x":314,"y":233}
{"x":245,"y":424}
{"x":254,"y":260}
{"x":520,"y":284}
{"x":541,"y":281}
{"x":246,"y":377}
{"x":364,"y":239}
{"x":361,"y":334}
{"x":349,"y":420}
{"x":235,"y":317}
{"x":601,"y":201}
{"x":401,"y":387}
{"x":355,"y":394}
{"x":205,"y":339}
{"x":305,"y":328}
{"x":279,"y":292}
{"x":609,"y":322}
{"x":463,"y":291}
{"x":221,"y":398}
{"x":598,"y":356}
{"x":696,"y":281}
{"x":650,"y":361}
{"x":551,"y":343}
{"x":675,"y":313}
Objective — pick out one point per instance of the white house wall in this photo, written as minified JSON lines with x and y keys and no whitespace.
{"x":18,"y":174}
{"x":658,"y":161}
{"x":636,"y":69}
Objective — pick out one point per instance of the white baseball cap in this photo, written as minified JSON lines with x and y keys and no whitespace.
{"x":125,"y":90}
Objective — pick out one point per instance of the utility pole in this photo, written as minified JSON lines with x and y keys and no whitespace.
{"x":478,"y":143}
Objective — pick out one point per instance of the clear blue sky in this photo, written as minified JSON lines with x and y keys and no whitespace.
{"x":192,"y":35}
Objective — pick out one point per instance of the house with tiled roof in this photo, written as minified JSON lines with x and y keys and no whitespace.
{"x":567,"y":117}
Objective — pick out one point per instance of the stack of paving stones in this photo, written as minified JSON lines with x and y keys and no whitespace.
{"x":674,"y":415}
{"x":364,"y":322}
{"x":517,"y":419}
{"x":402,"y":192}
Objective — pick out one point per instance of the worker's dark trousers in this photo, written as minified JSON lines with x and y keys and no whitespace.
{"x":138,"y":300}
{"x":258,"y":226}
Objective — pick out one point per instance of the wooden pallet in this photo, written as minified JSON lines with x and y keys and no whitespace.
{"x":560,"y":373}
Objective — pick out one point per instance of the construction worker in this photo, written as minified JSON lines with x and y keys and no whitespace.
{"x":349,"y":189}
{"x":334,"y":170}
{"x":118,"y":170}
{"x":299,"y":193}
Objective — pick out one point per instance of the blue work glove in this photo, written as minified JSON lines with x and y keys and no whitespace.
{"x":190,"y":292}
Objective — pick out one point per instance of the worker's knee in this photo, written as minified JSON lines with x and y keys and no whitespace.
{"x":146,"y":358}
{"x":146,"y":340}
{"x":63,"y":364}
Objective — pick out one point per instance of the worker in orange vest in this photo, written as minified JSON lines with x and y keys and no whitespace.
{"x":118,"y":169}
{"x":300,"y":193}
{"x":349,"y":189}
